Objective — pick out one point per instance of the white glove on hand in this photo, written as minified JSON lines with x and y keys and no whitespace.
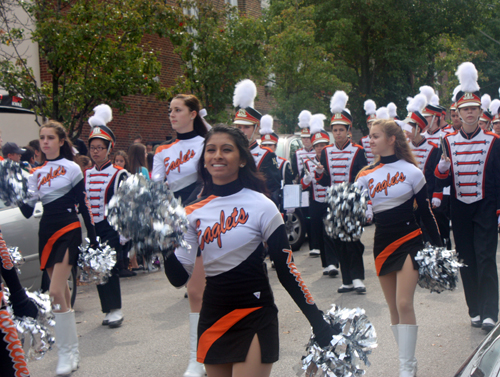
{"x":444,"y":166}
{"x":436,"y":202}
{"x":319,"y":170}
{"x":307,"y":177}
{"x":290,"y":211}
{"x":123,"y":240}
{"x":369,"y":213}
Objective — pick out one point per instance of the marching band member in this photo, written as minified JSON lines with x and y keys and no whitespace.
{"x":341,"y":162}
{"x":456,"y":122}
{"x":393,"y":183}
{"x":176,"y":163}
{"x":308,"y":151}
{"x":238,"y":331}
{"x":494,"y":107}
{"x":393,"y":111}
{"x":317,"y":206}
{"x":486,"y":117}
{"x":471,"y":164}
{"x":59,"y":185}
{"x":370,"y":109}
{"x":101,"y":183}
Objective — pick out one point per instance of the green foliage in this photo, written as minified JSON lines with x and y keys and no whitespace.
{"x":93,"y":50}
{"x":217,"y":47}
{"x":301,"y":71}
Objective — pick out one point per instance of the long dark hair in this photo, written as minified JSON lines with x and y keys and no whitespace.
{"x":247,"y":175}
{"x":193,"y":103}
{"x":137,"y":158}
{"x":66,"y":150}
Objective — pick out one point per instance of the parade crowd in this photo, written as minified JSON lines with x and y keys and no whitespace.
{"x":423,"y":177}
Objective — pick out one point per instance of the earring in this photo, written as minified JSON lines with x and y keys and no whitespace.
{"x":242,"y":165}
{"x":205,"y":165}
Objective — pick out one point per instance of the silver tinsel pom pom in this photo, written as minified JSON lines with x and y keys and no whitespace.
{"x":36,"y":334}
{"x":438,"y":268}
{"x":346,"y":351}
{"x":16,"y":256}
{"x":96,"y":263}
{"x":13,"y":182}
{"x":148,"y":213}
{"x":346,"y":212}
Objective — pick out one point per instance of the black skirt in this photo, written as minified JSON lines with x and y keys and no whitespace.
{"x":225,"y":334}
{"x":394,"y":243}
{"x":55,"y":237}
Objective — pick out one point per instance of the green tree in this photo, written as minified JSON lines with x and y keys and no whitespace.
{"x":218,"y":47}
{"x":301,"y":71}
{"x":93,"y":49}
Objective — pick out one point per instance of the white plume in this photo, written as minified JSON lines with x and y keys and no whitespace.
{"x":244,"y":94}
{"x":266,"y":125}
{"x":392,"y":108}
{"x":317,"y":124}
{"x":304,"y":118}
{"x":347,"y":111}
{"x":434,"y":100}
{"x":467,"y":75}
{"x":455,"y":91}
{"x":338,"y":101}
{"x":370,"y":107}
{"x":494,"y":105}
{"x":428,"y":92}
{"x":102,"y":115}
{"x":417,"y":104}
{"x":498,"y":90}
{"x":485,"y":102}
{"x":382,"y":113}
{"x":400,"y":123}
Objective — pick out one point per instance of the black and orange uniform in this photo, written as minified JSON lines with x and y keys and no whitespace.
{"x":474,"y":177}
{"x":266,"y":162}
{"x":299,"y":159}
{"x":342,"y":164}
{"x":60,"y":186}
{"x":318,"y":239}
{"x":393,"y":186}
{"x":12,"y":358}
{"x":229,"y":227}
{"x":177,"y":164}
{"x":101,"y":184}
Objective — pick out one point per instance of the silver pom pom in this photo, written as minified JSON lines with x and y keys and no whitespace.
{"x":346,"y":212}
{"x":346,"y":351}
{"x":16,"y":256}
{"x":13,"y":182}
{"x":149,"y":214}
{"x":96,"y":263}
{"x":438,"y":268}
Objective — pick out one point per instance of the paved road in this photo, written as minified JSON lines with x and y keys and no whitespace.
{"x":153,"y":340}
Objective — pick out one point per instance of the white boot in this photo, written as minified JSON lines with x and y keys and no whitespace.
{"x":407,"y":341}
{"x":67,"y":343}
{"x":194,"y":369}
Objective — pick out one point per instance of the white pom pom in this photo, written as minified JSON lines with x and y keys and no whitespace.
{"x":417,"y":104}
{"x":455,"y":91}
{"x":102,"y":115}
{"x":317,"y":124}
{"x":494,"y":105}
{"x":304,"y":118}
{"x":370,"y":107}
{"x":467,"y":75}
{"x":244,"y":94}
{"x":428,"y":92}
{"x":382,"y":113}
{"x":485,"y":102}
{"x":338,"y":101}
{"x":434,"y":100}
{"x":392,"y":108}
{"x":266,"y":125}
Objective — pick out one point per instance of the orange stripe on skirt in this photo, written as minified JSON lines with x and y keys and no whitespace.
{"x":391,"y":248}
{"x":218,"y":329}
{"x":52,"y":240}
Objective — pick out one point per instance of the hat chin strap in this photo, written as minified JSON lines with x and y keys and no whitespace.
{"x":253,"y":133}
{"x":463,"y":121}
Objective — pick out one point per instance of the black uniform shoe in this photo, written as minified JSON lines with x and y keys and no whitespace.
{"x":345,"y":288}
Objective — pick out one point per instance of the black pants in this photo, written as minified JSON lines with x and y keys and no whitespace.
{"x":319,"y":238}
{"x":307,"y":221}
{"x":110,"y":293}
{"x":476,"y":239}
{"x":441,"y":214}
{"x":351,"y":260}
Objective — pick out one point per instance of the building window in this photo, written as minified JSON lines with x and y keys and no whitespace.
{"x":233,"y":3}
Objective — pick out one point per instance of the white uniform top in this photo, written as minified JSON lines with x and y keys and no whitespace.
{"x":301,"y":156}
{"x":318,"y":191}
{"x":365,"y":143}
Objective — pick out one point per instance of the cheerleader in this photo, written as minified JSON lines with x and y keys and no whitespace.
{"x":238,"y":330}
{"x":318,"y":207}
{"x":341,"y":162}
{"x":471,"y":164}
{"x":393,"y":183}
{"x":101,"y":183}
{"x":177,"y":165}
{"x":370,"y":109}
{"x":60,"y":186}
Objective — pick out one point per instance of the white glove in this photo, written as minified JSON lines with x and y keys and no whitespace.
{"x":369,"y":213}
{"x":123,"y":240}
{"x":307,"y":177}
{"x":318,"y":170}
{"x":289,"y":211}
{"x":444,"y":166}
{"x":436,"y":202}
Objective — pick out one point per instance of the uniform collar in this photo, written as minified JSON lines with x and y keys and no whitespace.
{"x":421,"y":142}
{"x":470,"y":135}
{"x":254,"y":145}
{"x":388,"y":159}
{"x":56,"y":159}
{"x":104,"y":166}
{"x":187,"y":135}
{"x":435,"y":132}
{"x":346,"y":144}
{"x":227,"y":189}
